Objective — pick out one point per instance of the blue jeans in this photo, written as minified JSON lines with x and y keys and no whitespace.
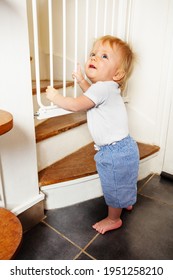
{"x":118,"y":166}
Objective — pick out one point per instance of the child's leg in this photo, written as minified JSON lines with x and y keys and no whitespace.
{"x":111,"y":222}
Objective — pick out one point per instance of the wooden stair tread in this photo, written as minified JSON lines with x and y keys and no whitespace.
{"x":76,"y":165}
{"x":44,"y":83}
{"x":146,"y":150}
{"x":81,"y":164}
{"x":56,"y":125}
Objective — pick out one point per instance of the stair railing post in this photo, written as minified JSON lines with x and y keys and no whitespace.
{"x":113,"y":16}
{"x":50,"y":41}
{"x":64,"y":47}
{"x":50,"y":110}
{"x":105,"y":17}
{"x":76,"y":45}
{"x":96,"y":18}
{"x":86,"y":30}
{"x":36,"y":51}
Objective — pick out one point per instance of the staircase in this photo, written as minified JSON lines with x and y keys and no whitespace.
{"x":65,"y":152}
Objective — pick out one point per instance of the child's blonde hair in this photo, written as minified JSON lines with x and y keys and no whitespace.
{"x":126,"y":53}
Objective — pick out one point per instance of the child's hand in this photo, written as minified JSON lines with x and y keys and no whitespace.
{"x":50,"y":93}
{"x":78,"y":75}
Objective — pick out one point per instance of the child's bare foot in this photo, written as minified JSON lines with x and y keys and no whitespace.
{"x":107,"y":224}
{"x":129,"y":208}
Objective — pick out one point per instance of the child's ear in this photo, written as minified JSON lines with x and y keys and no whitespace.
{"x":119,"y":75}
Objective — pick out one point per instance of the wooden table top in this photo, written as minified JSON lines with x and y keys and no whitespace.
{"x":6,"y":121}
{"x":10,"y":234}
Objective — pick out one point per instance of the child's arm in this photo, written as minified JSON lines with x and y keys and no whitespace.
{"x":84,"y":84}
{"x":81,"y":103}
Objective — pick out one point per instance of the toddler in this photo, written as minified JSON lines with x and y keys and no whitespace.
{"x":117,"y":158}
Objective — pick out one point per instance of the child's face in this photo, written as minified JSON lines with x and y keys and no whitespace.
{"x":103,"y":63}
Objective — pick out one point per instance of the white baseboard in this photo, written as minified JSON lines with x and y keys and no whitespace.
{"x":28,"y":204}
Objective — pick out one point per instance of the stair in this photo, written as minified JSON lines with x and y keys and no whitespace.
{"x":81,"y":164}
{"x":77,"y":165}
{"x":57,"y":125}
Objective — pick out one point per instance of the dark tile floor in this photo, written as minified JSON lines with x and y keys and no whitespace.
{"x":146,"y":234}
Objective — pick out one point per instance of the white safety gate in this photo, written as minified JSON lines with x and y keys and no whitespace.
{"x":101,"y":17}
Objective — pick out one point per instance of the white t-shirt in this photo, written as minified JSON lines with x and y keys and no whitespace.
{"x":107,"y":121}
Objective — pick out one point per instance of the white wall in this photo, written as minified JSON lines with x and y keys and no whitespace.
{"x":151,"y":35}
{"x":17,"y":147}
{"x":150,"y":88}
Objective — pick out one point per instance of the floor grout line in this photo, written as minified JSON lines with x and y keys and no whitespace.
{"x":141,"y":188}
{"x":158,"y":200}
{"x":150,"y":197}
{"x":62,"y":235}
{"x":89,"y":243}
{"x":86,"y":246}
{"x":82,"y":250}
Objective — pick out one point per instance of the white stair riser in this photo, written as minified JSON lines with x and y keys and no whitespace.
{"x":57,"y":147}
{"x":72,"y":192}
